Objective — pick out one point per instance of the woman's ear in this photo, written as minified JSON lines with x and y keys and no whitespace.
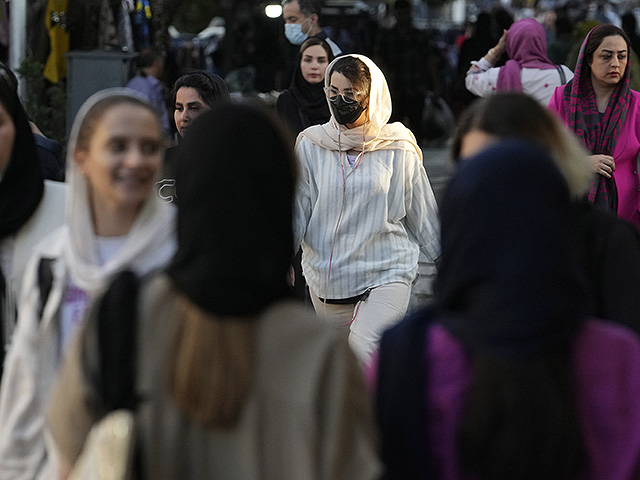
{"x":313,"y":19}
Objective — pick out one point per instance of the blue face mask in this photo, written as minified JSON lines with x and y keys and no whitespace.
{"x":294,"y":33}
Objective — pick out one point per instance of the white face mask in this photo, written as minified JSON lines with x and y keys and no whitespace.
{"x":294,"y":33}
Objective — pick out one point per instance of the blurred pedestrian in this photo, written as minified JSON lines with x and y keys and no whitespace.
{"x":528,"y":69}
{"x":503,"y":376}
{"x":404,"y":55}
{"x":480,"y":41}
{"x":364,"y":207}
{"x":150,"y":66}
{"x":559,"y":48}
{"x":113,"y":220}
{"x":233,"y":380}
{"x":30,"y":207}
{"x":48,"y":151}
{"x":611,"y":245}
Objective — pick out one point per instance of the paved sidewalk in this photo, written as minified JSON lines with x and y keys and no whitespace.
{"x":439,"y":169}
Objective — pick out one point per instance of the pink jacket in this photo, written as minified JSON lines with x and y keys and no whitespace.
{"x":624,"y":155}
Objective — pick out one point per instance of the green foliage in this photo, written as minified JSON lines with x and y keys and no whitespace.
{"x":45,"y":103}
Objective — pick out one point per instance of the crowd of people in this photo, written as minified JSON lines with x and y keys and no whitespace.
{"x":154,"y":296}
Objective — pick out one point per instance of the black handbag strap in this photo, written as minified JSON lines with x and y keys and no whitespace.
{"x":117,"y":342}
{"x":563,"y":77}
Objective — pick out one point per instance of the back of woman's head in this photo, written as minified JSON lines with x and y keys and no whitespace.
{"x":235,"y":217}
{"x":501,"y":115}
{"x":234,"y":250}
{"x":510,"y":287}
{"x":211,"y":88}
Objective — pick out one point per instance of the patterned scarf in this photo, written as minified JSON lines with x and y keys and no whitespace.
{"x":599,"y":135}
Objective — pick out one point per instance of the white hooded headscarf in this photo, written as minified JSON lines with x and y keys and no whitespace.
{"x":150,"y":243}
{"x":376,"y":133}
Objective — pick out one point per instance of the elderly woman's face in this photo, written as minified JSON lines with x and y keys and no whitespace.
{"x":7,"y":137}
{"x":609,"y":61}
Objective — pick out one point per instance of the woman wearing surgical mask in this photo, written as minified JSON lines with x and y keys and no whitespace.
{"x":364,"y":206}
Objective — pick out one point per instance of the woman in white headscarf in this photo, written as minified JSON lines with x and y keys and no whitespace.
{"x":364,"y":207}
{"x":114,"y":220}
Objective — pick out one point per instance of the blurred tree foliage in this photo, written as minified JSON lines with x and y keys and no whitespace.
{"x":45,"y":103}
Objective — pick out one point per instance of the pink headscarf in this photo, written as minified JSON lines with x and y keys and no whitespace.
{"x":526,"y":47}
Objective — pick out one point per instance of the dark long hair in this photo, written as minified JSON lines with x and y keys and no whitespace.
{"x":212,"y":88}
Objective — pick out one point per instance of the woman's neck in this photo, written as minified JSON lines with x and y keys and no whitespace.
{"x":603,"y":94}
{"x":111,"y":222}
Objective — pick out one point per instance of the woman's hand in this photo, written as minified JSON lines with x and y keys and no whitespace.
{"x":603,"y":164}
{"x":291,"y":277}
{"x":501,"y":46}
{"x":496,"y":52}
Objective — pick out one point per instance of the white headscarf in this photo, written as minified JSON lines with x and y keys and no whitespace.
{"x":150,"y":243}
{"x":376,"y":133}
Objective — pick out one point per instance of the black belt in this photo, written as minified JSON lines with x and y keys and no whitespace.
{"x":347,"y":301}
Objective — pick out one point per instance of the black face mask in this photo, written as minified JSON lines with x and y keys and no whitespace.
{"x":345,"y":112}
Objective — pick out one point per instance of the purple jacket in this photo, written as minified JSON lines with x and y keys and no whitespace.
{"x":606,"y":360}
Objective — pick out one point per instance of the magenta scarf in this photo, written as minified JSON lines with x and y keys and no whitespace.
{"x":598,"y":134}
{"x":526,"y":47}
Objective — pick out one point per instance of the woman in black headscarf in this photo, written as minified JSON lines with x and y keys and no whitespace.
{"x":193,"y":94}
{"x":304,"y":103}
{"x":30,"y":208}
{"x":225,"y":359}
{"x":504,"y":370}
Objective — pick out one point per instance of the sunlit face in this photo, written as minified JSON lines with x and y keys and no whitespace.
{"x":7,"y":137}
{"x":343,"y":85}
{"x":609,"y":61}
{"x":123,"y":159}
{"x":474,"y":142}
{"x":314,"y":64}
{"x":189,"y":105}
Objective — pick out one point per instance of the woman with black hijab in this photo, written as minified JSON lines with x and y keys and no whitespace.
{"x":504,"y":377}
{"x":193,"y":94}
{"x":304,"y":103}
{"x":235,"y":380}
{"x":30,"y":208}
